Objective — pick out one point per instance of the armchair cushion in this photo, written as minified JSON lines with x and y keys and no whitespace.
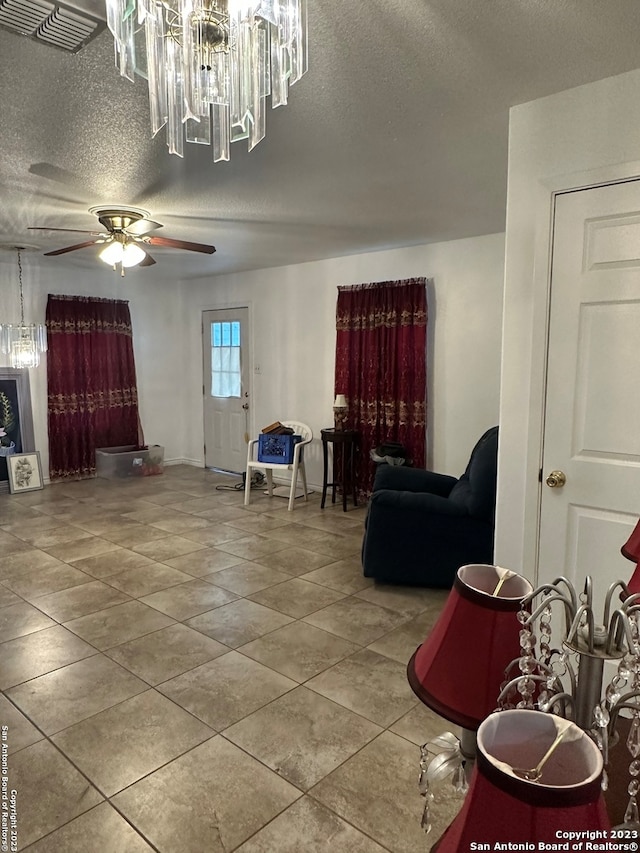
{"x":412,"y":480}
{"x":416,"y":502}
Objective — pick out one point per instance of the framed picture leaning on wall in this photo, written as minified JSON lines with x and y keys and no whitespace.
{"x":25,"y":472}
{"x":16,"y":420}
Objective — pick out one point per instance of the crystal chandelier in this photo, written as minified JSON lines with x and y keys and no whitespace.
{"x":22,"y":342}
{"x":210,"y":64}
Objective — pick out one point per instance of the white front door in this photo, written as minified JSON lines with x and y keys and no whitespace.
{"x":225,"y":335}
{"x":592,"y":414}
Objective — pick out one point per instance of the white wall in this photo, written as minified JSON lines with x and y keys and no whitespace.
{"x":578,"y":138}
{"x":293,"y":329}
{"x":157,"y":337}
{"x":293,"y":317}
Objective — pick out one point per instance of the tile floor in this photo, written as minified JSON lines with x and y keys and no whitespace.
{"x":182,"y":674}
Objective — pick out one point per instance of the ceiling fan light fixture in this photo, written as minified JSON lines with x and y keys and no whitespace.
{"x":128,"y":234}
{"x":211,"y":64}
{"x":112,"y":253}
{"x":132,"y":255}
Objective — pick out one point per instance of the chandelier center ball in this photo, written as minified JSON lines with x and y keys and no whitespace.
{"x":213,"y":35}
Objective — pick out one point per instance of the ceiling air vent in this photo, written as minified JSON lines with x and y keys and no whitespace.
{"x":53,"y":23}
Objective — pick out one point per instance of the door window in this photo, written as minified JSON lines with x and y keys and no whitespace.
{"x":226,"y":378}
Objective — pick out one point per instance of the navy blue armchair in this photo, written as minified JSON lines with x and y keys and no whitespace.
{"x":422,"y":526}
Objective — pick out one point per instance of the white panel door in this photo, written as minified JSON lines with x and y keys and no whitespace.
{"x":226,"y":388}
{"x":592,"y":414}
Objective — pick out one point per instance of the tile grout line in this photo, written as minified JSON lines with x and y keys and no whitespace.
{"x":210,"y":578}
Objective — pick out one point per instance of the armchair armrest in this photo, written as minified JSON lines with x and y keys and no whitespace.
{"x":422,"y":502}
{"x":412,"y":480}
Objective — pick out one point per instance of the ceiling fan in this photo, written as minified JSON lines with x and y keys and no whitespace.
{"x":126,"y":238}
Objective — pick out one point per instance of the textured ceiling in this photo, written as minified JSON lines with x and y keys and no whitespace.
{"x":396,"y":136}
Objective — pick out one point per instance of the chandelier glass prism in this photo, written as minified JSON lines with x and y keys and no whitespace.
{"x":22,"y":342}
{"x":211,"y":64}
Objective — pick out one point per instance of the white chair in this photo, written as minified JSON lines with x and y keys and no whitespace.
{"x":269,"y":467}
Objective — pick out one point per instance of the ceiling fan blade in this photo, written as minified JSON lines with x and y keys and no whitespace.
{"x":46,"y":228}
{"x":143,"y":226}
{"x":148,"y":261}
{"x":181,"y":244}
{"x":71,"y":248}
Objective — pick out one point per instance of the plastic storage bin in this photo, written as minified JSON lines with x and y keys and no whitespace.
{"x":277,"y":448}
{"x":127,"y":461}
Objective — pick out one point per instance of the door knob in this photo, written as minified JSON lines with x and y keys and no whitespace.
{"x":556,"y":480}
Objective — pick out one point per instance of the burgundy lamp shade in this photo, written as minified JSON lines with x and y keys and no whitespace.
{"x":459,"y":668}
{"x":501,"y":806}
{"x":631,"y":550}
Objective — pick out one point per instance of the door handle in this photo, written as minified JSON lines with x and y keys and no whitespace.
{"x":556,"y":479}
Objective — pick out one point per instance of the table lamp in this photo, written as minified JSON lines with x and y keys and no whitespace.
{"x":340,"y":411}
{"x":459,"y":668}
{"x":518,"y":796}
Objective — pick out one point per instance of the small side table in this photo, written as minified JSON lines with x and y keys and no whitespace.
{"x":346,"y":441}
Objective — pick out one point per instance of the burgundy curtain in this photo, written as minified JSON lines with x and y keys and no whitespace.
{"x":91,"y":375}
{"x":381,"y":367}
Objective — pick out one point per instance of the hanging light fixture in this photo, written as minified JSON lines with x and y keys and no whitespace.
{"x":22,"y":342}
{"x":122,"y":251}
{"x":210,"y":64}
